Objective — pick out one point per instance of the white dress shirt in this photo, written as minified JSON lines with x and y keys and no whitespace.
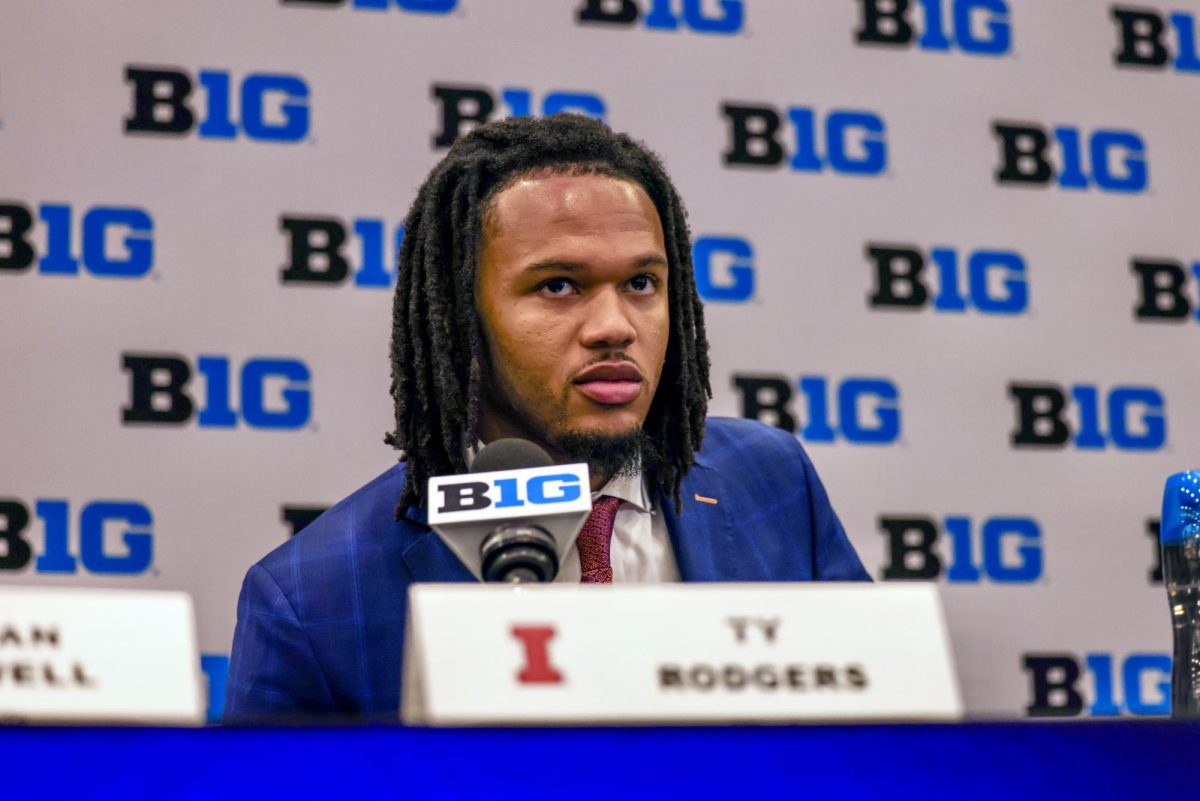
{"x":641,"y":547}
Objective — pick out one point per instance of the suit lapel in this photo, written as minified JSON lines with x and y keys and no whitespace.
{"x":428,"y":558}
{"x":702,"y":536}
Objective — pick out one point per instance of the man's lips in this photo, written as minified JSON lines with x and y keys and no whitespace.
{"x":610,"y":383}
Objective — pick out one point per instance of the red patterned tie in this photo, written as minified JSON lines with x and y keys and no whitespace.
{"x":595,"y":566}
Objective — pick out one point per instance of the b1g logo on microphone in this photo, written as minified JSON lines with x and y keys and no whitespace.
{"x":721,"y":17}
{"x":60,"y":246}
{"x":1003,"y":550}
{"x":269,"y":107}
{"x":412,"y":6}
{"x":463,"y":107}
{"x":1165,"y":291}
{"x":1141,"y":33}
{"x":976,"y":27}
{"x":991,"y":282}
{"x":1136,"y":417}
{"x":1106,"y":160}
{"x":274,"y":392}
{"x":1059,"y":682}
{"x":557,"y":489}
{"x":839,"y":141}
{"x":868,"y":409}
{"x":114,"y":537}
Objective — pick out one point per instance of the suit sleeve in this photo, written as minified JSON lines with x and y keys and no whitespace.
{"x":273,"y":672}
{"x":834,"y":558}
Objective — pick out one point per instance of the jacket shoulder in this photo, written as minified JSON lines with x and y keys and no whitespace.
{"x":735,"y":439}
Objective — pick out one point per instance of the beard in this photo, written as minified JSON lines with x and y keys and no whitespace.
{"x":608,"y":455}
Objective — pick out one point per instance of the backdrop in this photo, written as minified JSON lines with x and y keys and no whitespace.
{"x":950,"y":244}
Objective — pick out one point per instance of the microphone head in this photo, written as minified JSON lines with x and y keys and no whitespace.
{"x":510,"y":454}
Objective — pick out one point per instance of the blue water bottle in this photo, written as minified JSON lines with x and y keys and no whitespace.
{"x":1180,"y":537}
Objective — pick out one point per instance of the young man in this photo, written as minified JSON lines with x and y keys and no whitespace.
{"x":545,"y":292}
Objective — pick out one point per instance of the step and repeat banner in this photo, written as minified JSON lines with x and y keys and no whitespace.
{"x":949,"y":244}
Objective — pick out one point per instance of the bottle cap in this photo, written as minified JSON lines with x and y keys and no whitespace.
{"x":1181,"y":508}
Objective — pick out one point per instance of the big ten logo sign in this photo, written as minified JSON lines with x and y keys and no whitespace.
{"x":867,"y":409}
{"x":411,"y":6}
{"x":1165,"y":290}
{"x":1105,"y":160}
{"x":721,"y":17}
{"x":508,"y":492}
{"x":103,"y":241}
{"x":1100,"y":684}
{"x":840,"y":141}
{"x":975,"y":27}
{"x":114,"y":537}
{"x":1143,"y":41}
{"x":274,"y":393}
{"x":260,"y":106}
{"x":1003,"y":550}
{"x":464,"y":107}
{"x":988,"y":281}
{"x":1052,"y":416}
{"x":329,"y":251}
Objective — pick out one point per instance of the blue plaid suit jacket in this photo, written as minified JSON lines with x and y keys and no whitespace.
{"x":321,"y":618}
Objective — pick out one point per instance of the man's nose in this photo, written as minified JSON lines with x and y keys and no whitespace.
{"x":607,"y":323}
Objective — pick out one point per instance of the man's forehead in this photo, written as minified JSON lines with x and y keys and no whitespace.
{"x":549,"y":199}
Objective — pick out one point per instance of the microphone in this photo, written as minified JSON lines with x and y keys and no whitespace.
{"x":514,"y":516}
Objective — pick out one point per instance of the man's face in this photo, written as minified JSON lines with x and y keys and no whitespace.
{"x":572,"y":297}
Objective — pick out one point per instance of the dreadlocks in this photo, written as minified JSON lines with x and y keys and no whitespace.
{"x":437,"y":345}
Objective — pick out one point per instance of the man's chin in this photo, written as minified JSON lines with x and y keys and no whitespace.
{"x":607,"y":453}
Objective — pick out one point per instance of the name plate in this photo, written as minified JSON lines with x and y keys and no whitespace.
{"x":79,"y":655}
{"x":679,"y":653}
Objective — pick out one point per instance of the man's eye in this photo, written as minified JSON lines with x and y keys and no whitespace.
{"x":556,"y":287}
{"x":643,"y":284}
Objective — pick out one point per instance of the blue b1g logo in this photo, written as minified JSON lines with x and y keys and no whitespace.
{"x":976,"y":27}
{"x":987,"y":281}
{"x":68,"y":245}
{"x":1051,"y":416}
{"x":159,"y":393}
{"x":1138,"y":683}
{"x":840,"y":141}
{"x":724,"y":268}
{"x":92,"y":552}
{"x":721,"y":17}
{"x":1104,"y":160}
{"x":867,"y":409}
{"x":260,"y":106}
{"x":1004,"y":550}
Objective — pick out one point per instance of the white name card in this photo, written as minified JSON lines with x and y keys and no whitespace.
{"x":81,"y":655}
{"x":680,"y":653}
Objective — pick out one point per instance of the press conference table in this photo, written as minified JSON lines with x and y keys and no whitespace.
{"x":1125,"y":759}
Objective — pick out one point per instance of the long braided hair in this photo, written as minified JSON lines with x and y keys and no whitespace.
{"x":437,"y":345}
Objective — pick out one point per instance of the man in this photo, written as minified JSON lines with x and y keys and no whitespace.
{"x":545,"y":292}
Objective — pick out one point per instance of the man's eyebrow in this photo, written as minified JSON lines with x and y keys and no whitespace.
{"x":558,"y":265}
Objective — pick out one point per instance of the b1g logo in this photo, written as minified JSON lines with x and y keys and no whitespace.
{"x":463,"y":107}
{"x":840,"y":141}
{"x":1140,"y":36}
{"x":1055,"y":684}
{"x":1006,"y":550}
{"x":868,"y":409}
{"x":976,"y":27}
{"x":1136,"y":417}
{"x":724,"y":265}
{"x":726,"y":17}
{"x":274,"y":393}
{"x":1165,"y":289}
{"x":92,"y":552}
{"x":1107,"y":160}
{"x":507,"y":493}
{"x":413,"y":6}
{"x":988,"y":281}
{"x":272,"y":107}
{"x":68,"y":246}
